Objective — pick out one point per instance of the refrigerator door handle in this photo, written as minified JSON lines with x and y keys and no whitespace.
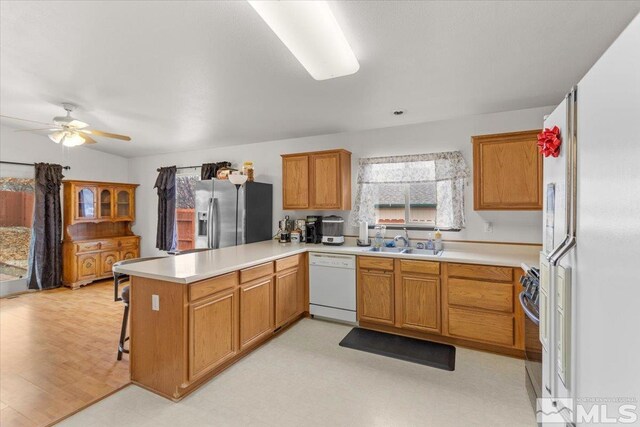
{"x":571,"y":181}
{"x":215,"y":224}
{"x":210,"y":224}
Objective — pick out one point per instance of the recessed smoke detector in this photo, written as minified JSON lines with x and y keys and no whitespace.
{"x":398,"y":112}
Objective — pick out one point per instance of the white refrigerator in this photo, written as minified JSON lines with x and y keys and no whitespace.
{"x":590,"y":286}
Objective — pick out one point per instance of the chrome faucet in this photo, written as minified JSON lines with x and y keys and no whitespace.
{"x":405,"y":238}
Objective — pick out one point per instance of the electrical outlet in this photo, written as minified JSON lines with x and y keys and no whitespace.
{"x":488,"y":227}
{"x":155,"y":302}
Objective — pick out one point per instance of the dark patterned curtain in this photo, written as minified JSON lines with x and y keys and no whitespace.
{"x":45,"y":252}
{"x":208,"y":171}
{"x":166,"y":232}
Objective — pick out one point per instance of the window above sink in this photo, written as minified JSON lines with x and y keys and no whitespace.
{"x":420,"y":192}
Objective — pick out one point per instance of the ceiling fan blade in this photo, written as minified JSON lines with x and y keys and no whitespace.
{"x":105,"y":134}
{"x":34,"y":130}
{"x":88,"y":139}
{"x":25,"y":120}
{"x":77,"y":124}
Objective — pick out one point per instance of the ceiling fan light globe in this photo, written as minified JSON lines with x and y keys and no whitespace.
{"x":57,"y":136}
{"x":72,"y":140}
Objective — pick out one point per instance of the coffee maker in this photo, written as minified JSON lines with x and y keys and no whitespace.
{"x":314,"y":229}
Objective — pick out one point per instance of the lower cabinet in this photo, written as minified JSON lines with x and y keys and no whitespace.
{"x":213,"y":332}
{"x":256,"y":311}
{"x":88,"y":260}
{"x":287,"y":296}
{"x":474,"y":304}
{"x":88,"y":266}
{"x":129,"y":253}
{"x":107,"y":259}
{"x":478,"y":325}
{"x":376,"y":297}
{"x":420,"y":303}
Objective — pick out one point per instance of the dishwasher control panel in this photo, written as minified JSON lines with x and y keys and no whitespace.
{"x":332,"y":260}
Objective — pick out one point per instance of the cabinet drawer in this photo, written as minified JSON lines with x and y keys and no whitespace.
{"x":89,"y":246}
{"x":483,"y":272}
{"x":477,"y":294}
{"x":211,"y":286}
{"x":110,"y":244}
{"x":375,"y":263}
{"x":262,"y":270}
{"x":131,"y":242}
{"x":424,"y":267}
{"x":493,"y":328}
{"x":288,"y":262}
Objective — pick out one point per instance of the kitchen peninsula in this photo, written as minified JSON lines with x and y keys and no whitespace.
{"x":193,"y":315}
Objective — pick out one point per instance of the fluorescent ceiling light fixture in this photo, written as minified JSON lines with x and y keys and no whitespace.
{"x":310,"y":31}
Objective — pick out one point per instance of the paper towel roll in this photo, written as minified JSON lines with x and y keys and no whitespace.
{"x":364,"y":231}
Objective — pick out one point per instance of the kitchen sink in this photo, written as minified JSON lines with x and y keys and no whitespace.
{"x":412,"y":251}
{"x":389,"y":250}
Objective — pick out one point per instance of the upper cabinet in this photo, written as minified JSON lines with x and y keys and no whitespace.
{"x":507,"y":171}
{"x":317,"y":180}
{"x":99,"y":201}
{"x":85,"y":203}
{"x":105,"y":204}
{"x":123,"y":209}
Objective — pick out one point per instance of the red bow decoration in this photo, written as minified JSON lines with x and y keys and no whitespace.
{"x":549,"y":142}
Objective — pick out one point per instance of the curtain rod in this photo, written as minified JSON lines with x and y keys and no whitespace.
{"x":29,"y":164}
{"x":183,"y":167}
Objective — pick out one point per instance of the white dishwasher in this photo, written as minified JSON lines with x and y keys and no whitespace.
{"x":332,"y":286}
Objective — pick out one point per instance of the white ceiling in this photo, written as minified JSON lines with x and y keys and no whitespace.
{"x":182,"y":75}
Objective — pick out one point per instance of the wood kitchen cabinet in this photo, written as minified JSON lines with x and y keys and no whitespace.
{"x":213,"y":332}
{"x":375,"y":290}
{"x":465,"y":304}
{"x":286,"y":296}
{"x":201,"y":328}
{"x":507,"y":171}
{"x":256,"y":311}
{"x":317,"y":180}
{"x":481,"y":305}
{"x":295,"y":182}
{"x":418,"y":295}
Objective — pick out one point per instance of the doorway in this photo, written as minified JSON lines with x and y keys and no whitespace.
{"x":16,"y":221}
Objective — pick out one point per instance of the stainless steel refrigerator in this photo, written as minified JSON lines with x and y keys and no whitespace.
{"x":215,"y":222}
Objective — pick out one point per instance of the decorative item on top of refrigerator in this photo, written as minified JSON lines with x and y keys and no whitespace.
{"x":332,"y":230}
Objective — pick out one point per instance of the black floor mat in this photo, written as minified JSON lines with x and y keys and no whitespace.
{"x":436,"y":355}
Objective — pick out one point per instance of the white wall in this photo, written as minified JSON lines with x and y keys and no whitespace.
{"x":411,"y":139}
{"x":86,"y":163}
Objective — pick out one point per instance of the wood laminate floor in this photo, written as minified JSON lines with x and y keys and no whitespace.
{"x":58,"y":353}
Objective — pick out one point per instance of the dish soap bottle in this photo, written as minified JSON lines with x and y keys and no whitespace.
{"x":430,"y":245}
{"x":438,"y":243}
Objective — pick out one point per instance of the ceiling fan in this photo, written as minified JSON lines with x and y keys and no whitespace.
{"x":69,"y":131}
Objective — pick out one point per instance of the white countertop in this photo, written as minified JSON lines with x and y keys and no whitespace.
{"x":189,"y":268}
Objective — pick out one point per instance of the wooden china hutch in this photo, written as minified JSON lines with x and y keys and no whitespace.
{"x":97,"y":230}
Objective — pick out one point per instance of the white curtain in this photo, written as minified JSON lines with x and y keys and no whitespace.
{"x":447,"y":171}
